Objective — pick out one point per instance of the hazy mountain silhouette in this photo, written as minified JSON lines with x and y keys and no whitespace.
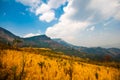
{"x":41,"y":41}
{"x":59,"y":45}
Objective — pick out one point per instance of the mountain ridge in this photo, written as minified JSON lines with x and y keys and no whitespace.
{"x":59,"y":45}
{"x":41,"y":41}
{"x":7,"y":35}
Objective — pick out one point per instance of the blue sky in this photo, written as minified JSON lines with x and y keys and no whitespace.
{"x":15,"y":17}
{"x":88,"y":23}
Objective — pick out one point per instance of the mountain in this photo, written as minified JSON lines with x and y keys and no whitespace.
{"x":6,"y":35}
{"x":62,"y":42}
{"x":94,"y":53}
{"x":6,"y":38}
{"x":59,"y":45}
{"x":99,"y":50}
{"x":41,"y":41}
{"x":91,"y":50}
{"x":114,"y":51}
{"x":47,"y":42}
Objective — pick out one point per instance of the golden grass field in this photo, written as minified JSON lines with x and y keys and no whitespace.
{"x":43,"y":64}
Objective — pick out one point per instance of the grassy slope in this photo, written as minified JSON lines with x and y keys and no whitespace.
{"x":44,"y":64}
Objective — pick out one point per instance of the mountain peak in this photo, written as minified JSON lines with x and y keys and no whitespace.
{"x":6,"y":35}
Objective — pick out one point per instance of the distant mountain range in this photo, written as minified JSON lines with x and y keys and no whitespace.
{"x":94,"y":53}
{"x":41,"y":41}
{"x":59,"y":45}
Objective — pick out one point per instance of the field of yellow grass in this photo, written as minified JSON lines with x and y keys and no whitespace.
{"x":43,"y":64}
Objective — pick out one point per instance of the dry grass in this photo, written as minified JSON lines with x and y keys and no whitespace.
{"x":33,"y":65}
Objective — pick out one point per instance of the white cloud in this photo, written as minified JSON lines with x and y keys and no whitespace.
{"x":105,"y":8}
{"x":81,"y":14}
{"x":55,"y":3}
{"x":67,"y":28}
{"x":42,"y":9}
{"x":31,"y":3}
{"x":91,"y":28}
{"x":78,"y":16}
{"x":45,"y":11}
{"x":82,"y":10}
{"x":31,"y":34}
{"x":47,"y":16}
{"x":117,"y":16}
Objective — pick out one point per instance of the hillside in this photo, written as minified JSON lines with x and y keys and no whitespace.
{"x":94,"y":53}
{"x":41,"y":41}
{"x":44,"y":64}
{"x":8,"y":39}
{"x":6,"y":36}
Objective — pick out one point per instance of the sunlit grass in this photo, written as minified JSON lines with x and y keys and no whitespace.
{"x":43,"y":64}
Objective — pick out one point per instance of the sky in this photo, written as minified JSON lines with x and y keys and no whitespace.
{"x":90,"y":23}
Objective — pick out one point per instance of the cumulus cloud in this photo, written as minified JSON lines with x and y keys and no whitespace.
{"x":42,"y":9}
{"x":45,"y":11}
{"x":105,"y":8}
{"x":68,"y":28}
{"x":47,"y":16}
{"x":81,"y":14}
{"x":55,"y":3}
{"x":31,"y":3}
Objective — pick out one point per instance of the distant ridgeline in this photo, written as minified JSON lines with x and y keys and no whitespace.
{"x":9,"y":40}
